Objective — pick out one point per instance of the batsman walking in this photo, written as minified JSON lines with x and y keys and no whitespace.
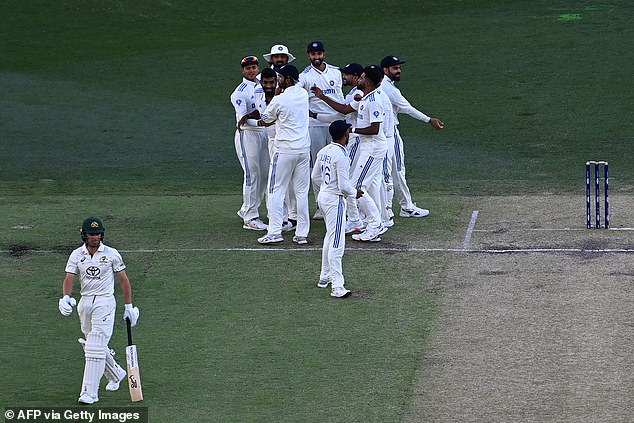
{"x":96,"y":264}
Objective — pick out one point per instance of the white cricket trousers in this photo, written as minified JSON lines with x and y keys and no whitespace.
{"x":366,"y":176}
{"x":398,"y":175}
{"x":96,"y":316}
{"x":319,"y":138}
{"x":334,"y":209}
{"x":288,"y":169}
{"x":387,"y":185}
{"x":253,"y":152}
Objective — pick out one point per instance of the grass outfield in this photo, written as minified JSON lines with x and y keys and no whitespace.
{"x":122,"y":110}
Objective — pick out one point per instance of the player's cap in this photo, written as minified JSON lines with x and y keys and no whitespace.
{"x":92,"y":225}
{"x":352,"y":69}
{"x":338,"y":129}
{"x":374,"y":73}
{"x":388,"y":61}
{"x":289,"y":71}
{"x":249,"y":60}
{"x":279,"y":49}
{"x":315,"y":46}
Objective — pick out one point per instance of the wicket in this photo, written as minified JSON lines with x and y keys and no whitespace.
{"x":597,"y":194}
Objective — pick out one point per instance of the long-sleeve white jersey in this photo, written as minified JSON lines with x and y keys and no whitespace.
{"x":400,"y":103}
{"x":332,"y":171}
{"x":96,"y":272}
{"x":289,"y":110}
{"x":329,"y":81}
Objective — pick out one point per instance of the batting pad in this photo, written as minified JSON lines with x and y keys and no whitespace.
{"x":96,"y":345}
{"x":112,"y":369}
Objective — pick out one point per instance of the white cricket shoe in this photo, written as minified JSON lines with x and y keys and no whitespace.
{"x":340,"y":292}
{"x":388,"y":223}
{"x":114,"y":385}
{"x":270,"y":239}
{"x":355,"y":226}
{"x":323,"y":283}
{"x":415,"y":212}
{"x":289,"y":225}
{"x":318,"y":215}
{"x":87,"y":399}
{"x":382,"y":229}
{"x":255,"y":225}
{"x":370,"y":235}
{"x":300,"y":240}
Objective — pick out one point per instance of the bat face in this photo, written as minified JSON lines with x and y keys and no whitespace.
{"x":134,"y":377}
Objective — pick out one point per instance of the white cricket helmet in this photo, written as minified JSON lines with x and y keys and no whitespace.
{"x":279,"y":49}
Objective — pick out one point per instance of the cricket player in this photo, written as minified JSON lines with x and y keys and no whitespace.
{"x":251,"y":145}
{"x":332,"y":173}
{"x":96,"y":264}
{"x":268,"y":80}
{"x":372,"y":123}
{"x":328,"y":79}
{"x":290,"y":163}
{"x":279,"y":56}
{"x":392,"y":69}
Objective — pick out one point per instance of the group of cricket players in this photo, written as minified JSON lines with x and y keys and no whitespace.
{"x":293,"y":128}
{"x":292,"y":125}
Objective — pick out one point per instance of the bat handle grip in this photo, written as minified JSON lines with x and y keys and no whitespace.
{"x":129,"y":328}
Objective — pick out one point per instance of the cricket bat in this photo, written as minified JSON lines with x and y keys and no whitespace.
{"x":132,"y":360}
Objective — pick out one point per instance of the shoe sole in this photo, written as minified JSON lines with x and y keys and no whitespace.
{"x":346,"y":295}
{"x":413,"y":215}
{"x":253,"y":229}
{"x":320,"y":285}
{"x":275,"y":241}
{"x":375,"y":239}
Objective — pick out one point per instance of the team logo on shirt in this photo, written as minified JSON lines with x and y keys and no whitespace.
{"x":104,"y":260}
{"x":82,"y":259}
{"x":332,"y":83}
{"x":376,"y":114}
{"x":93,"y":272}
{"x":238,"y":102}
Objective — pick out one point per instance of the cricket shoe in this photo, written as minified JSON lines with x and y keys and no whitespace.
{"x":301,"y":240}
{"x":415,"y":212}
{"x":323,"y":283}
{"x":255,"y":225}
{"x":340,"y":292}
{"x":114,"y":385}
{"x":289,"y":225}
{"x":388,"y":223}
{"x":270,"y":239}
{"x":318,"y":215}
{"x":370,"y":235}
{"x":382,"y":229}
{"x":87,"y":399}
{"x":355,"y":226}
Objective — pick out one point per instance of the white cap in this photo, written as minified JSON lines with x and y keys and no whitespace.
{"x":279,"y":49}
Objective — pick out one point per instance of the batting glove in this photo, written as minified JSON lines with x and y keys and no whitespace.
{"x":131,"y":313}
{"x":66,"y":305}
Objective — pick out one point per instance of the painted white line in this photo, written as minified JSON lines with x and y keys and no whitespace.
{"x":472,"y":222}
{"x":355,"y":249}
{"x":549,"y":230}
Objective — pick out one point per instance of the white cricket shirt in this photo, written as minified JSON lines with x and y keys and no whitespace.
{"x":332,"y":171}
{"x":329,"y":81}
{"x":96,"y":273}
{"x":289,"y":110}
{"x":244,"y":101}
{"x":400,"y":103}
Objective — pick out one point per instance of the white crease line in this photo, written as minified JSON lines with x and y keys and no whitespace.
{"x":472,"y":222}
{"x":353,"y":249}
{"x":503,"y":230}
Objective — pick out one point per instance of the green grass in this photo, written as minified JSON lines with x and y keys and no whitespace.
{"x":121,"y":110}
